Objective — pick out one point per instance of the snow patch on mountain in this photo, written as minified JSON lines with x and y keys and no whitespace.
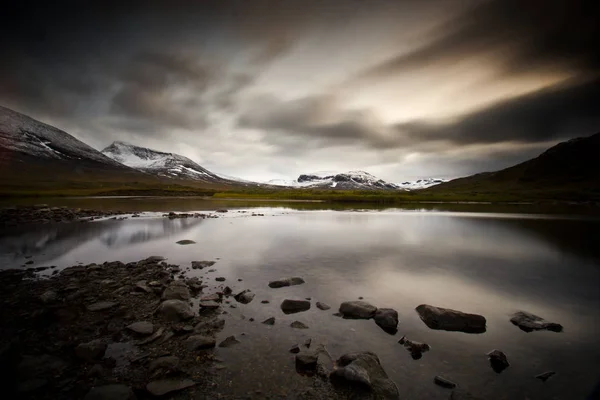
{"x":421,"y":183}
{"x":351,"y":180}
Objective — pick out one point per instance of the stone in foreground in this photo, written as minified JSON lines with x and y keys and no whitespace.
{"x":165,"y":386}
{"x":141,"y":327}
{"x":110,"y":392}
{"x":530,"y":322}
{"x":175,"y":310}
{"x":322,"y":306}
{"x":357,"y":309}
{"x":451,"y":320}
{"x":229,"y":341}
{"x":365,"y":370}
{"x":387,"y":319}
{"x":443,"y":382}
{"x":295,"y":280}
{"x":306,"y":361}
{"x":102,"y":306}
{"x":289,"y":306}
{"x":200,"y":342}
{"x":498,"y":360}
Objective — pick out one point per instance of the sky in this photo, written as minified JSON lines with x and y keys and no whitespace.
{"x":266,"y":89}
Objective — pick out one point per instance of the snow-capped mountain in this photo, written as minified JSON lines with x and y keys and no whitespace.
{"x":351,"y":180}
{"x":21,"y":135}
{"x":421,"y":183}
{"x":169,"y":165}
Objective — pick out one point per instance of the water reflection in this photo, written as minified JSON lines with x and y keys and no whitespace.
{"x":491,"y":264}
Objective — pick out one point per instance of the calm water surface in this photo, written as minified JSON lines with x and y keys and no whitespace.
{"x":488,"y":263}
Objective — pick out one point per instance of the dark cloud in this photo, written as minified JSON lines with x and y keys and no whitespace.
{"x":559,"y":112}
{"x":518,"y":35}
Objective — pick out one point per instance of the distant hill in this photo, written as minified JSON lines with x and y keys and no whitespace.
{"x":569,"y":170}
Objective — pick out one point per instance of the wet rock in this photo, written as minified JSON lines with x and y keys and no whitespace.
{"x":545,"y":375}
{"x":289,"y":306}
{"x":306,"y":361}
{"x":286,"y":282}
{"x":102,"y":306}
{"x":49,"y":296}
{"x":451,"y":320}
{"x":110,"y":392}
{"x":498,"y":360}
{"x":168,"y":363}
{"x":175,"y":310}
{"x":186,"y":241}
{"x":416,"y":349}
{"x":154,"y":336}
{"x":298,"y":325}
{"x":209,"y":304}
{"x":244,"y":297}
{"x":307,"y":343}
{"x":141,"y":286}
{"x":229,"y":341}
{"x":220,"y":279}
{"x":227,"y":291}
{"x":265,"y":302}
{"x":387,"y":319}
{"x":177,"y":290}
{"x":199,"y":342}
{"x":357,"y":309}
{"x":141,"y":327}
{"x":202,"y":264}
{"x":269,"y":321}
{"x":90,"y":351}
{"x":530,"y":322}
{"x":295,"y":349}
{"x":322,"y":306}
{"x":164,"y":386}
{"x":365,"y":369}
{"x":443,"y":382}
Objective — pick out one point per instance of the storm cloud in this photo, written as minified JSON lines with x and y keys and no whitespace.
{"x":269,"y":89}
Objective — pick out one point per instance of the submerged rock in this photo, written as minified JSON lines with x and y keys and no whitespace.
{"x":244,"y":297}
{"x":298,"y":325}
{"x":202,"y":264}
{"x":498,"y":360}
{"x":416,"y":349}
{"x":289,"y":306}
{"x":229,"y":341}
{"x":141,"y":327}
{"x":443,"y":382}
{"x":530,"y":322}
{"x":365,"y":370}
{"x":110,"y":392}
{"x":387,"y":319}
{"x":269,"y":321}
{"x":357,"y":309}
{"x":165,"y":386}
{"x":286,"y":282}
{"x":175,"y":310}
{"x":451,"y":320}
{"x":185,"y":241}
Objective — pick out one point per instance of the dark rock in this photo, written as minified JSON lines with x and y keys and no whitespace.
{"x":208,"y":304}
{"x":186,"y":241}
{"x":202,"y":264}
{"x":165,"y":386}
{"x":168,"y":363}
{"x":265,"y":302}
{"x":227,"y":291}
{"x":49,"y":296}
{"x":529,"y":322}
{"x":175,"y":310}
{"x":365,"y":370}
{"x":416,"y":349}
{"x":322,"y":306}
{"x":141,"y":286}
{"x":220,"y":279}
{"x":298,"y":325}
{"x":199,"y":342}
{"x":102,"y":306}
{"x":29,"y":262}
{"x":295,"y":349}
{"x":154,"y":336}
{"x":229,"y":341}
{"x":110,"y":392}
{"x":286,"y":282}
{"x":177,"y":290}
{"x":338,"y":314}
{"x":387,"y":319}
{"x":443,"y":382}
{"x":498,"y":360}
{"x":141,"y":327}
{"x":357,"y":309}
{"x":545,"y":375}
{"x":451,"y":320}
{"x":306,"y":361}
{"x":244,"y":297}
{"x":289,"y":306}
{"x":269,"y":321}
{"x":90,"y":351}
{"x":307,"y":343}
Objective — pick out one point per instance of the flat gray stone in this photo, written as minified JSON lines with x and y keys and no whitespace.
{"x":322,"y":306}
{"x":102,"y":306}
{"x":443,"y":382}
{"x":357,"y":309}
{"x":451,"y":320}
{"x":528,"y":322}
{"x":164,"y":386}
{"x":141,"y":327}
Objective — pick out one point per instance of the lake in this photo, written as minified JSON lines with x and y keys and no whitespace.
{"x":465,"y":257}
